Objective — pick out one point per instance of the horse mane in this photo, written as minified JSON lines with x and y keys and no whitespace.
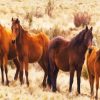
{"x":78,"y":39}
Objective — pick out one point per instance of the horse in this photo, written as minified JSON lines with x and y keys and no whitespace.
{"x":68,"y":56}
{"x":7,"y":52}
{"x":31,"y":48}
{"x":93,"y":65}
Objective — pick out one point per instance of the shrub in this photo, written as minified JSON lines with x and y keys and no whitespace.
{"x":49,"y":8}
{"x":81,"y":18}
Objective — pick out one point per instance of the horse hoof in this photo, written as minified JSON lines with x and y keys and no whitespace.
{"x":44,"y":85}
{"x":96,"y":98}
{"x":7,"y":83}
{"x":27,"y":84}
{"x":15,"y":78}
{"x":54,"y":90}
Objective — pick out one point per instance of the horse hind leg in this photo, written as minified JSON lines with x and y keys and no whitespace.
{"x":16,"y":62}
{"x":91,"y":79}
{"x":53,"y":74}
{"x":55,"y":78}
{"x":45,"y":73}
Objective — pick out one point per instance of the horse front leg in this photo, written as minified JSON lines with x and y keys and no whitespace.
{"x":97,"y":86}
{"x":21,"y":72}
{"x":72,"y":70}
{"x":54,"y":73}
{"x":78,"y":80}
{"x":17,"y":63}
{"x":26,"y":73}
{"x":6,"y":72}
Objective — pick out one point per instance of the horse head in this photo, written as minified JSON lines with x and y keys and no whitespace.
{"x":87,"y":37}
{"x":15,"y":29}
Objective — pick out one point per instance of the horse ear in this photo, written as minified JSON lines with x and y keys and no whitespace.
{"x":12,"y":19}
{"x":17,"y":20}
{"x":91,"y":28}
{"x":86,"y":27}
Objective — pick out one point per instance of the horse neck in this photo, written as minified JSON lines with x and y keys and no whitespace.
{"x":20,"y":37}
{"x":79,"y":46}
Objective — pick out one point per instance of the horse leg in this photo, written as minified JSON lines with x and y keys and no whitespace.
{"x":72,"y":70}
{"x":45,"y":73}
{"x":2,"y":69}
{"x":97,"y":86}
{"x":21,"y":72}
{"x":26,"y":73}
{"x":6,"y":70}
{"x":91,"y":79}
{"x":16,"y":62}
{"x":53,"y":74}
{"x":55,"y":78}
{"x":78,"y":80}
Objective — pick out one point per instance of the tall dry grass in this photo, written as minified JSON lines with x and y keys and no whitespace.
{"x":82,"y":18}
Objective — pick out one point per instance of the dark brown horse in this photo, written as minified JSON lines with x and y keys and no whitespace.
{"x":93,"y":65}
{"x":68,"y":56}
{"x":31,"y":48}
{"x":7,"y":52}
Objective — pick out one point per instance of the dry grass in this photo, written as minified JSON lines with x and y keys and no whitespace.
{"x":49,"y":8}
{"x":85,"y":72}
{"x":81,"y":18}
{"x":54,"y":17}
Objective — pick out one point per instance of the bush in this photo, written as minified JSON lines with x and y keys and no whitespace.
{"x":81,"y":18}
{"x":49,"y":8}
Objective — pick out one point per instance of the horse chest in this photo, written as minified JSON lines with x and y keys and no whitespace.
{"x":62,"y":63}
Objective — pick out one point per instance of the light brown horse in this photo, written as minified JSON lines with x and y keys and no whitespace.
{"x":31,"y":48}
{"x":68,"y":56}
{"x":7,"y":52}
{"x":93,"y":65}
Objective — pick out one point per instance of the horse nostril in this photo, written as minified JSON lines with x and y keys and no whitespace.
{"x":13,"y":41}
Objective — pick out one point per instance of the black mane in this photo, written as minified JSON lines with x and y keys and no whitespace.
{"x":78,"y":39}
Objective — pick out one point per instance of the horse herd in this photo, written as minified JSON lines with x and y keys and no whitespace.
{"x":52,"y":55}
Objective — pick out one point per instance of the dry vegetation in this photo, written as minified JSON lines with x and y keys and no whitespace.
{"x":55,"y":17}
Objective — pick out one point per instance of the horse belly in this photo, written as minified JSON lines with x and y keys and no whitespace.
{"x":62,"y":65}
{"x":36,"y":55}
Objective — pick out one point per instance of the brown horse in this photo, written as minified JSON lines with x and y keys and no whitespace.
{"x":7,"y":52}
{"x":31,"y":48}
{"x":93,"y":65}
{"x":68,"y":56}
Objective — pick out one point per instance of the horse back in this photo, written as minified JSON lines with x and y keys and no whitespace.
{"x":58,"y":52}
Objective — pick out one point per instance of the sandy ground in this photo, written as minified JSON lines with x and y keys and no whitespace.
{"x":36,"y":92}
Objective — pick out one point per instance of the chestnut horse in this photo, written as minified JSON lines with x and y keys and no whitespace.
{"x":31,"y":48}
{"x":93,"y":65}
{"x":7,"y":52}
{"x":68,"y":56}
